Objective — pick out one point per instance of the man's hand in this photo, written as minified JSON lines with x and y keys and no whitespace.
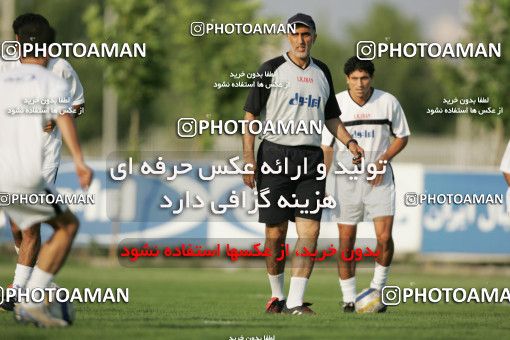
{"x":249,"y":179}
{"x":357,"y":151}
{"x":50,"y":126}
{"x":337,"y":129}
{"x":85,"y":175}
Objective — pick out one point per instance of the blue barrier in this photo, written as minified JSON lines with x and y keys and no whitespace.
{"x":467,"y":228}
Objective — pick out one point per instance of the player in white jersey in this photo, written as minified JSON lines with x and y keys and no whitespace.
{"x":21,"y":159}
{"x":27,"y":242}
{"x":505,"y":168}
{"x":372,"y":117}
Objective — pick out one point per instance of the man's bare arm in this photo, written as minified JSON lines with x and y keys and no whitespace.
{"x":66,"y":125}
{"x":506,"y":175}
{"x":77,"y":112}
{"x":398,"y":144}
{"x":328,"y":156}
{"x":249,"y":151}
{"x":337,"y":129}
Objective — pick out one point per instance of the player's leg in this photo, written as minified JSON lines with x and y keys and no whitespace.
{"x":275,"y":218}
{"x":16,"y":235}
{"x":380,"y":205}
{"x":302,"y":266}
{"x":51,"y":258}
{"x":349,"y":194}
{"x":28,"y":242}
{"x":55,"y":250}
{"x":346,"y":266}
{"x":275,"y":264}
{"x":385,"y":247}
{"x":27,"y":249}
{"x":349,"y":212}
{"x":308,"y":189}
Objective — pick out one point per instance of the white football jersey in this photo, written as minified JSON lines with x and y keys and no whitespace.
{"x":371,"y":124}
{"x":505,"y":162}
{"x":22,"y":138}
{"x":61,"y":68}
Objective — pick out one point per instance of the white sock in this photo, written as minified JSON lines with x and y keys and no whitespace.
{"x":296,"y":291}
{"x":277,"y":284}
{"x":17,"y":249}
{"x":21,"y":275}
{"x":38,"y":279}
{"x":348,"y":287}
{"x":380,"y":276}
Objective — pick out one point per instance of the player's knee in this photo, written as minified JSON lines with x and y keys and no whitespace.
{"x":31,"y":239}
{"x":14,"y":228}
{"x":312,"y":234}
{"x":385,"y":239}
{"x":347,"y":238}
{"x":16,"y":231}
{"x":73,"y":226}
{"x":276,"y":232}
{"x":346,"y":245}
{"x":32,"y":233}
{"x":68,"y":222}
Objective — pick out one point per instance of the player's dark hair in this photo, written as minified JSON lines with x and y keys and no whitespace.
{"x":28,"y":19}
{"x":36,"y":33}
{"x":356,"y":64}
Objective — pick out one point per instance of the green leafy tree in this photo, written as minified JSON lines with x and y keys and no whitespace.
{"x":411,"y":80}
{"x":489,"y":76}
{"x":333,"y":54}
{"x":196,"y":63}
{"x":486,"y":77}
{"x":137,"y":80}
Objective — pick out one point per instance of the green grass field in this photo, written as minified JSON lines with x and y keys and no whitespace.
{"x":174,"y":303}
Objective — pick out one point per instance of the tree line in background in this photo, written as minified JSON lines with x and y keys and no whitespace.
{"x":176,"y":78}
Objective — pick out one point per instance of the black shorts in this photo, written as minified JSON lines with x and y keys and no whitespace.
{"x":305,"y":187}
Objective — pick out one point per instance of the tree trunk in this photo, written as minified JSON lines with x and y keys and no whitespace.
{"x":134,"y":135}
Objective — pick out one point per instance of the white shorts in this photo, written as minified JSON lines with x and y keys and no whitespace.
{"x":51,"y":150}
{"x":25,"y":215}
{"x":50,"y":174}
{"x":359,"y":201}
